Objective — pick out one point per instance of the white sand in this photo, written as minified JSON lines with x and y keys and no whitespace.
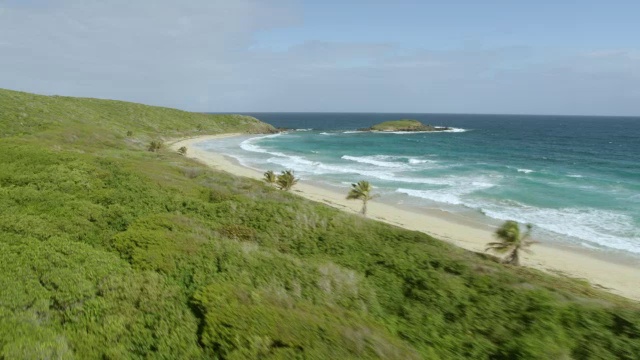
{"x":618,"y":277}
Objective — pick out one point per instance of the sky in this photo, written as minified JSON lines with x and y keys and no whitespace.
{"x":495,"y":56}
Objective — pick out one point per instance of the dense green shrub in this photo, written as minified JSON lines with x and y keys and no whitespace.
{"x":108,"y":251}
{"x":155,"y":146}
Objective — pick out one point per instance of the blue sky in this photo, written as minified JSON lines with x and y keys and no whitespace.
{"x":450,"y":24}
{"x":524,"y":57}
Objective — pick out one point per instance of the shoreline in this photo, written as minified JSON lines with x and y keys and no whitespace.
{"x":600,"y":270}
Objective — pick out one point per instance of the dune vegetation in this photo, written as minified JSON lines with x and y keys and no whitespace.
{"x":111,"y":251}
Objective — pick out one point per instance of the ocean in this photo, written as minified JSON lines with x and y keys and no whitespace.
{"x":576,"y":179}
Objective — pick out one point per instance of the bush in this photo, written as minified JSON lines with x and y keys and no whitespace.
{"x":155,"y":146}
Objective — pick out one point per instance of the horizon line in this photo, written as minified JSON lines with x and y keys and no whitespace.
{"x":413,"y":113}
{"x":309,"y":112}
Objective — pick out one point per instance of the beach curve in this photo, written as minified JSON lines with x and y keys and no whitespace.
{"x":600,"y":271}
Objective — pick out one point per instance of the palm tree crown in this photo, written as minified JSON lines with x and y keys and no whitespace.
{"x":286,"y":180}
{"x":270,"y":177}
{"x":511,"y":241}
{"x":361,"y":191}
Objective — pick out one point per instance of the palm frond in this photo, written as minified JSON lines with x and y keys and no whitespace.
{"x":512,"y":240}
{"x":286,"y":180}
{"x":270,"y":177}
{"x":353,"y":195}
{"x":361,"y":191}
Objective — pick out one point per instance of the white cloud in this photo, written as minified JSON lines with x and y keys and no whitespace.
{"x":154,"y":51}
{"x":202,"y":55}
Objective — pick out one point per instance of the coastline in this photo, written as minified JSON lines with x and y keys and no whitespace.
{"x":604,"y":272}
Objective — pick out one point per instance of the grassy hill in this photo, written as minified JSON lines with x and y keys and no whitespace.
{"x":109,"y":120}
{"x":111,"y":251}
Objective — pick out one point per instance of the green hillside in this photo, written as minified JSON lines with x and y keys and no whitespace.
{"x":109,"y":251}
{"x":24,"y":113}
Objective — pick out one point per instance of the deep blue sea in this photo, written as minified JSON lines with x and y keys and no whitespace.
{"x":577,"y":179}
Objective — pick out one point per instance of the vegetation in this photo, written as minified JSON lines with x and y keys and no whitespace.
{"x":155,"y":146}
{"x":108,"y":251}
{"x":182,"y":150}
{"x":361,"y":191}
{"x":286,"y":180}
{"x":270,"y":177}
{"x":511,"y":241}
{"x":405,"y":125}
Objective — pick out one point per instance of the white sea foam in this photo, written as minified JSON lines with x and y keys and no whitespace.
{"x":248,"y":145}
{"x":592,"y":227}
{"x":526,"y":171}
{"x":419,"y":161}
{"x":390,"y":161}
{"x":304,"y":129}
{"x":285,"y":160}
{"x":377,"y":160}
{"x":327,"y":134}
{"x":575,"y":176}
{"x":302,"y":165}
{"x":456,"y":130}
{"x":610,"y":229}
{"x":353,"y":132}
{"x":438,"y":196}
{"x":454,"y":192}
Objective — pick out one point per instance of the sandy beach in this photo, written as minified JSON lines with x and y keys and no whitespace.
{"x":600,"y":270}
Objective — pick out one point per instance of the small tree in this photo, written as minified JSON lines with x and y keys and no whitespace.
{"x":361,"y":191}
{"x":270,"y":177}
{"x":511,"y":241}
{"x":286,"y":180}
{"x":155,"y":146}
{"x":129,"y":133}
{"x":182,"y":151}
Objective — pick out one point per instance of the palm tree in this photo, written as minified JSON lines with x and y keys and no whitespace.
{"x":270,"y":177}
{"x":511,"y":241}
{"x":286,"y":180}
{"x":361,"y":191}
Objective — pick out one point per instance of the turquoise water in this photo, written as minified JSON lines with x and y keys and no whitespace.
{"x":577,"y":179}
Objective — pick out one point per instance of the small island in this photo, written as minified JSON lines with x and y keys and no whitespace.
{"x":405,"y":125}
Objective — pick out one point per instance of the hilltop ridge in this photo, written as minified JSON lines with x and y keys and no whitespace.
{"x":25,"y":113}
